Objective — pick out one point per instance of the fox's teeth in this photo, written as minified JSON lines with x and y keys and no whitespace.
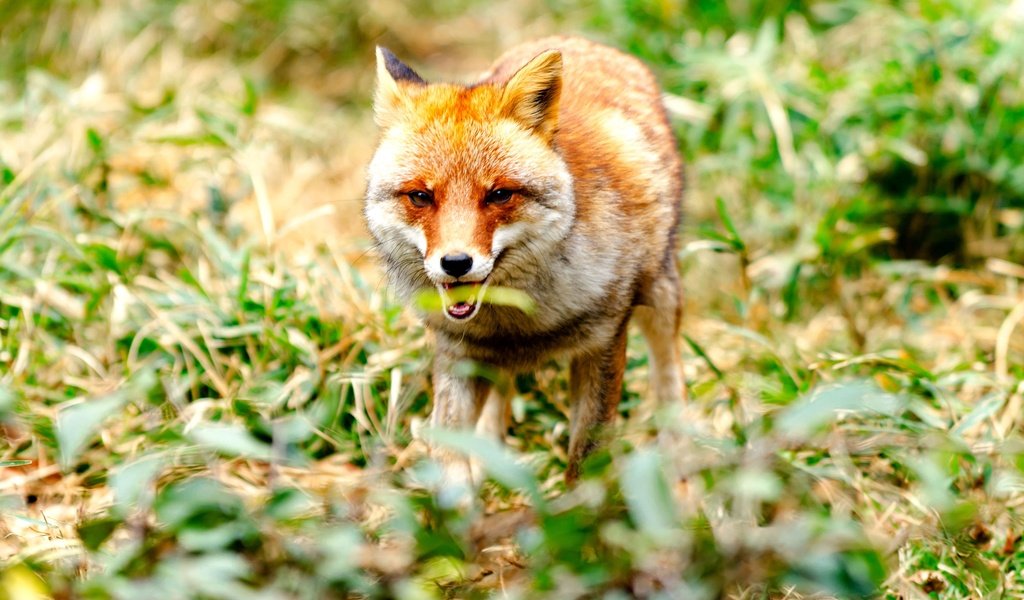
{"x":474,"y":302}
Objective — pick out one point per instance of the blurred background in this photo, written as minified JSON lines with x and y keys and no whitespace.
{"x":203,"y":378}
{"x":883,"y":123}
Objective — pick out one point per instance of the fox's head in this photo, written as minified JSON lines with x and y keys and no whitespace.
{"x":466,"y":187}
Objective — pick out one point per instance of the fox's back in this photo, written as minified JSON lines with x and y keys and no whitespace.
{"x":613,"y":130}
{"x":595,"y":78}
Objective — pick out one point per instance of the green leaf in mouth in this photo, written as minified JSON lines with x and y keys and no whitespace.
{"x":429,"y":299}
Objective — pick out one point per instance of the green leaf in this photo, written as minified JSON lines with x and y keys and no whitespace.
{"x":95,"y":141}
{"x":6,"y":400}
{"x":252,"y":97}
{"x":289,"y":503}
{"x":704,"y":355}
{"x":647,"y":495}
{"x":93,"y":533}
{"x":199,"y":502}
{"x":825,"y":404}
{"x":851,"y":574}
{"x":429,"y":299}
{"x":213,"y":575}
{"x":987,"y":407}
{"x":243,"y":280}
{"x":76,"y":424}
{"x":756,"y":484}
{"x":500,"y":464}
{"x":934,"y":483}
{"x":734,"y":240}
{"x":341,"y":545}
{"x":129,"y":481}
{"x":233,"y":440}
{"x":439,"y":572}
{"x":208,"y":139}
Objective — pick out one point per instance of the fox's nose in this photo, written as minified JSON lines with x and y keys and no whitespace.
{"x":456,"y":264}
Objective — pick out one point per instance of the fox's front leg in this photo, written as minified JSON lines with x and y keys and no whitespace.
{"x":595,"y":382}
{"x":457,"y":401}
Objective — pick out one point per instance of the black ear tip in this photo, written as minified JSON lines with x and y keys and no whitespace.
{"x":396,"y":68}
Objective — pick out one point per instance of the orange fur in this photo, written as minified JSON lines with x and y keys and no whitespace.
{"x":573,"y":137}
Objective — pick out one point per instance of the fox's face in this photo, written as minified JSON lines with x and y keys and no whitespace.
{"x":466,"y":188}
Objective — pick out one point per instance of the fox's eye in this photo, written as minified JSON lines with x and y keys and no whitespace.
{"x":499,"y":196}
{"x":419,"y":198}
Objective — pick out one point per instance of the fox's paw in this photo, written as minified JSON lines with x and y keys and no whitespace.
{"x":459,"y":482}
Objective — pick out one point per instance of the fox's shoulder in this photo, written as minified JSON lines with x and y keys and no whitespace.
{"x":613,"y":128}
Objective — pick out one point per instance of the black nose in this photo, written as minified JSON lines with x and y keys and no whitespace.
{"x":457,"y":264}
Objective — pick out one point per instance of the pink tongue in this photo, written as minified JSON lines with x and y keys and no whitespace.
{"x":460,"y":310}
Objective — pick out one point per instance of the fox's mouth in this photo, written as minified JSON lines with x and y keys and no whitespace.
{"x":461,"y":299}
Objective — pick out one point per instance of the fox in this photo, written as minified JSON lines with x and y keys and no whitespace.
{"x":555,"y":173}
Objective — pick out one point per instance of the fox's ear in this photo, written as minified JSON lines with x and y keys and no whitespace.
{"x":392,"y":74}
{"x":531,"y":95}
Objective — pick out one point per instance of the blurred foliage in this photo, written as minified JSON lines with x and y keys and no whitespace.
{"x":190,"y":408}
{"x":902,"y":116}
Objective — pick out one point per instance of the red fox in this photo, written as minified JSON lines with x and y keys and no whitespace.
{"x":556,"y":174}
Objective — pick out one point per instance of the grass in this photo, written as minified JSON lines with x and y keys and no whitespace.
{"x":206,"y":391}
